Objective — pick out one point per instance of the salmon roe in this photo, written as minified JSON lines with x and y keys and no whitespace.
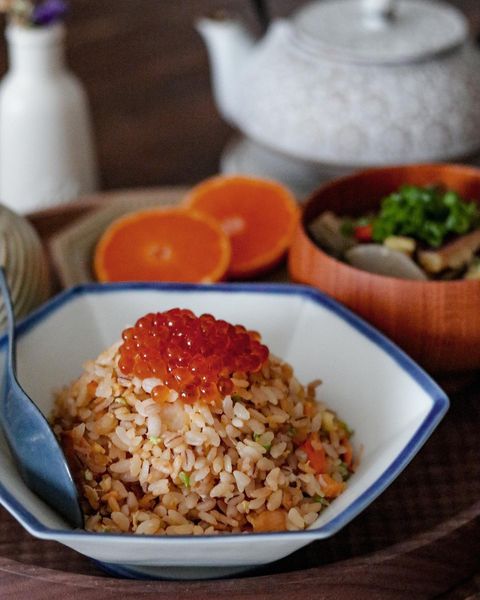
{"x":196,"y":356}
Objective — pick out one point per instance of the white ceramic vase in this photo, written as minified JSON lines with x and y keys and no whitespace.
{"x":46,"y":147}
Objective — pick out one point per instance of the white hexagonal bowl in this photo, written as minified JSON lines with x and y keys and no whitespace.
{"x":392,"y":405}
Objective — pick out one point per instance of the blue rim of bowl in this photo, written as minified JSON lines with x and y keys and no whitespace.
{"x":439,"y":399}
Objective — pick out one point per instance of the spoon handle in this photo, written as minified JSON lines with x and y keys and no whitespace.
{"x":7,"y":301}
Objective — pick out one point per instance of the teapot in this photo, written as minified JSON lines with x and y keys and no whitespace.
{"x":352,"y":83}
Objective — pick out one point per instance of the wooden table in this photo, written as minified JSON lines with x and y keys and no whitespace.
{"x":419,"y":539}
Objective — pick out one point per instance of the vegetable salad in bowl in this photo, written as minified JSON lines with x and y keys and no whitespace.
{"x":419,"y":233}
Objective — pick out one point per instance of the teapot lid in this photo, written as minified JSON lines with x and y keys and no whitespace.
{"x":379,"y":31}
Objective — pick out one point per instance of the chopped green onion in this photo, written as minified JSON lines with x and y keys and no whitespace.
{"x":323,"y":501}
{"x":292,"y":432}
{"x":347,"y":429}
{"x":154,"y":439}
{"x":256,"y":437}
{"x":347,"y":227}
{"x":237,"y":398}
{"x":343,"y":470}
{"x":184,"y":478}
{"x":428,"y":214}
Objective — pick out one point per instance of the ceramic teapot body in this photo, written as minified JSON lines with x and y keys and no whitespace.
{"x":364,"y":107}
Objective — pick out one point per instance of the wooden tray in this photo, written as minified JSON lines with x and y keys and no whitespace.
{"x":419,"y":539}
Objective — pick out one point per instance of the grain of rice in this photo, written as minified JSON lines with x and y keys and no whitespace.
{"x":160,"y":487}
{"x":199,"y":475}
{"x":246,"y":451}
{"x":122,"y":466}
{"x":185,"y":529}
{"x":227,"y":463}
{"x":240,"y":383}
{"x":241,"y":479}
{"x":223,"y":519}
{"x":121,"y":520}
{"x":260,"y":492}
{"x":206,"y":505}
{"x":175,"y":518}
{"x":226,"y":477}
{"x":278,"y":449}
{"x":222,"y":490}
{"x":207,"y":415}
{"x":154,"y":424}
{"x":135,"y":465}
{"x":275,"y":500}
{"x":310,"y":518}
{"x":211,"y":436}
{"x":295,"y":518}
{"x":240,"y":411}
{"x":194,"y":439}
{"x":148,"y":527}
{"x":217,"y":465}
{"x":207,"y":517}
{"x":149,"y":383}
{"x":270,"y":394}
{"x":265,"y":464}
{"x":256,"y":503}
{"x":272,"y":479}
{"x":232,"y":431}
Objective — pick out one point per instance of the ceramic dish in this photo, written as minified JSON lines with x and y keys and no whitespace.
{"x":392,"y":405}
{"x":72,"y":248}
{"x":436,"y":322}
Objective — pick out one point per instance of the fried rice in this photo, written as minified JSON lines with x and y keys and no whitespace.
{"x":249,"y":464}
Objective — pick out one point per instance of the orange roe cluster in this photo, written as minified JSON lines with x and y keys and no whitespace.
{"x":196,"y":356}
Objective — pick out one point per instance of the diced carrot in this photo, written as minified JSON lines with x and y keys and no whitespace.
{"x":92,"y":388}
{"x":363,"y":233}
{"x":274,"y":520}
{"x":299,"y":435}
{"x":330,"y":487}
{"x":315,"y":453}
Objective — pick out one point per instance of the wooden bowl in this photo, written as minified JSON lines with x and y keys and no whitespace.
{"x":436,"y":322}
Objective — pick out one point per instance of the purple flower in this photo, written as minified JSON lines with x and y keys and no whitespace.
{"x":49,"y":11}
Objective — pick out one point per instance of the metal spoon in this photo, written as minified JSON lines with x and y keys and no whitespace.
{"x":33,"y":444}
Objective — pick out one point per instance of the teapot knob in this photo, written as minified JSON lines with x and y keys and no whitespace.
{"x":378,"y":13}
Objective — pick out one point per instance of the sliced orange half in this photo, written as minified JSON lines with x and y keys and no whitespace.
{"x":258,"y":215}
{"x":168,"y":244}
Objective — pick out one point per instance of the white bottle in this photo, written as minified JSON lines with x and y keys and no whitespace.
{"x":46,"y":147}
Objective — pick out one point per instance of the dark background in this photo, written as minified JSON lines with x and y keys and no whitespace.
{"x":146,"y":72}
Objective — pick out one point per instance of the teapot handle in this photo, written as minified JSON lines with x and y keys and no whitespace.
{"x":262,"y":13}
{"x":378,"y":12}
